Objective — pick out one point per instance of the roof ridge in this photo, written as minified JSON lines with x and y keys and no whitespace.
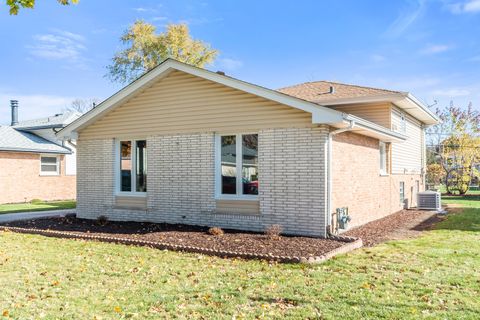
{"x":340,"y":83}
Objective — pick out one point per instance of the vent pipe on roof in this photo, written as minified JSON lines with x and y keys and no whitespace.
{"x":221,"y":73}
{"x":14,"y":106}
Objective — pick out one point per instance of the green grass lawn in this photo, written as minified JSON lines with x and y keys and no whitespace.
{"x":37,"y":206}
{"x":471,"y":200}
{"x":434,"y":276}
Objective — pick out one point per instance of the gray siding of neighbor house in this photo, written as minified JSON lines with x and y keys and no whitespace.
{"x":181,"y":182}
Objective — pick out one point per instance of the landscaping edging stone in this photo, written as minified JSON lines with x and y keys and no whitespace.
{"x":351,"y":243}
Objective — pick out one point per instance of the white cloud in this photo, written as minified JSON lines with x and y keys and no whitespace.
{"x":406,"y":19}
{"x":147,"y":10}
{"x":451,"y":93}
{"x":470,"y":6}
{"x":160,"y":18}
{"x":32,"y":106}
{"x":435,"y":48}
{"x":230,"y":64}
{"x":378,"y":58}
{"x":60,"y":45}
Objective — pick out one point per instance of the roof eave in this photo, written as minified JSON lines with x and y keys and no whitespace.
{"x":12,"y":149}
{"x":372,"y":129}
{"x":404,"y":100}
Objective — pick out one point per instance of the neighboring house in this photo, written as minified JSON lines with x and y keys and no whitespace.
{"x":186,"y":145}
{"x":34,"y":163}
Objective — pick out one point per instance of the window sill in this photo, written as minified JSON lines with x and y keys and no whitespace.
{"x":384,"y":175}
{"x":234,"y":197}
{"x":49,"y":174}
{"x":131,"y":194}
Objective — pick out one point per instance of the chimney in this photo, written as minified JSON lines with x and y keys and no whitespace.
{"x":14,"y":106}
{"x":332,"y":90}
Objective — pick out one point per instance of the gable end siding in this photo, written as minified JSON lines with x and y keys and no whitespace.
{"x":182,"y":103}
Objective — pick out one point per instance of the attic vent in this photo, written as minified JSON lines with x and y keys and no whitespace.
{"x":221,"y":73}
{"x":429,"y":200}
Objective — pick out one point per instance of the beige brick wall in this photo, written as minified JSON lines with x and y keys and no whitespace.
{"x":20,"y":179}
{"x":181,"y":181}
{"x":358,"y":185}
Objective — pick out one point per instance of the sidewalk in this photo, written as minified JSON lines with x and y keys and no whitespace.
{"x":9,"y":217}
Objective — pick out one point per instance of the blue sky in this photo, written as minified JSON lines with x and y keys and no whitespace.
{"x":54,"y":54}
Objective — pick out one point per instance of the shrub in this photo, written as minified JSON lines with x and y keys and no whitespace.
{"x":215,"y":231}
{"x":102,"y":220}
{"x":273,"y":231}
{"x":36,"y":201}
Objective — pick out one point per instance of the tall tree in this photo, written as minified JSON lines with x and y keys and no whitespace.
{"x":456,"y":145}
{"x":83,"y":105}
{"x":15,"y":5}
{"x":146,"y":49}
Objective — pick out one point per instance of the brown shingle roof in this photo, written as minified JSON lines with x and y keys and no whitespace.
{"x":319,"y":91}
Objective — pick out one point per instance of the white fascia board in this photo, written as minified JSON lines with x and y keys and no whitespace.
{"x":424,"y":108}
{"x":319,"y":113}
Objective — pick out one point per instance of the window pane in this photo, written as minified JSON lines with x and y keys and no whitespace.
{"x":126,"y":165}
{"x":141,"y":164}
{"x":229,"y":165}
{"x":49,"y":160}
{"x":250,"y":163}
{"x":49,"y":168}
{"x":383,"y":157}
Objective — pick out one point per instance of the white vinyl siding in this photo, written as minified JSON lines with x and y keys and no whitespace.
{"x":407,"y":156}
{"x":182,"y":103}
{"x":376,"y":113}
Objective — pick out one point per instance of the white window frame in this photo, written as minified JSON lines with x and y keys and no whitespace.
{"x":57,"y":163}
{"x":402,"y":193}
{"x":117,"y":173}
{"x":383,"y":158}
{"x":218,"y":168}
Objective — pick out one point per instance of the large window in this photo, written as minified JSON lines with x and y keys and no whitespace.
{"x":237,"y":174}
{"x":133,"y":166}
{"x":49,"y":165}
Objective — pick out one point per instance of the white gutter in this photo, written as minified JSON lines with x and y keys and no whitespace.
{"x":329,"y":173}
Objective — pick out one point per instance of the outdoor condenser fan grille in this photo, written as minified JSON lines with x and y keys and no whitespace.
{"x":429,"y":200}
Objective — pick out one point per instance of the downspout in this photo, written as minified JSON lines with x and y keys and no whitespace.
{"x":329,"y":173}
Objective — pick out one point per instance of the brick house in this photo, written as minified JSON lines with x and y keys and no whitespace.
{"x":34,"y":163}
{"x":218,"y":151}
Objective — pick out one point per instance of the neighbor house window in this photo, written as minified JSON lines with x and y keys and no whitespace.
{"x":49,"y":165}
{"x":237,"y":163}
{"x":133,"y":166}
{"x":383,"y":158}
{"x":402,"y":193}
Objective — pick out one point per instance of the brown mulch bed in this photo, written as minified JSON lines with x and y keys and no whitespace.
{"x":400,"y":225}
{"x":177,"y":234}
